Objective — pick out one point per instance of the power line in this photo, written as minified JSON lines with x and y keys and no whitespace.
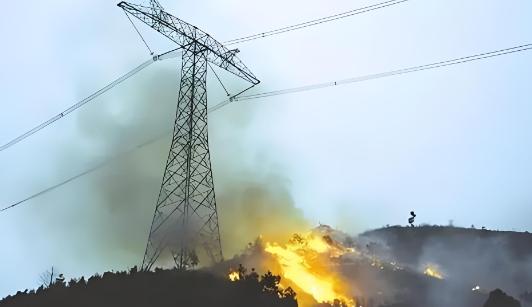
{"x":94,"y":168}
{"x":402,"y":71}
{"x":222,"y":104}
{"x":314,"y":22}
{"x":77,"y":105}
{"x":436,"y":65}
{"x":164,"y":56}
{"x":172,"y":54}
{"x":53,"y":187}
{"x":86,"y":172}
{"x":81,"y":103}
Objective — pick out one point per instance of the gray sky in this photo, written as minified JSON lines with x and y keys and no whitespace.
{"x":451,"y":144}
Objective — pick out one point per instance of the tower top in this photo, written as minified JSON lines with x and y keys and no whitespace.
{"x":186,"y":35}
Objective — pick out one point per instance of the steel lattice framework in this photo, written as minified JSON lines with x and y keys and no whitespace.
{"x":186,"y":215}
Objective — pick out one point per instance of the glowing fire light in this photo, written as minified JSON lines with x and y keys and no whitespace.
{"x":234,"y":276}
{"x":433,"y":272}
{"x":305,"y":262}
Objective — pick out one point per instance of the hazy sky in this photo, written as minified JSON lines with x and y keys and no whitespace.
{"x":451,"y":144}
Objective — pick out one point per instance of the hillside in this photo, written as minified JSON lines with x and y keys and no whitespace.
{"x":408,"y":243}
{"x":385,"y":269}
{"x":465,"y":257}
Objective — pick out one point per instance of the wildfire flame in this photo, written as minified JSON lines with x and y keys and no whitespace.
{"x":310,"y":264}
{"x":433,"y":272}
{"x":234,"y":276}
{"x":305,"y":263}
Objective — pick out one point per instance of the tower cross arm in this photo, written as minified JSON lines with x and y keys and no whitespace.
{"x":186,"y":36}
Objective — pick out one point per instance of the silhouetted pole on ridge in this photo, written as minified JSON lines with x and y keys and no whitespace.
{"x":186,"y":215}
{"x":412,"y":218}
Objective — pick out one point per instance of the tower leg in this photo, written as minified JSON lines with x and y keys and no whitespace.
{"x":186,"y":216}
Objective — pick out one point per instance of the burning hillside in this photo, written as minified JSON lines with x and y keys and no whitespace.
{"x":322,"y":267}
{"x":307,"y":265}
{"x":325,"y":266}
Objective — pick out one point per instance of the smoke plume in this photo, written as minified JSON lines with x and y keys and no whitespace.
{"x":102,"y":220}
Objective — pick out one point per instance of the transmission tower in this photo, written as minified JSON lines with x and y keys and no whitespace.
{"x":186,"y":216}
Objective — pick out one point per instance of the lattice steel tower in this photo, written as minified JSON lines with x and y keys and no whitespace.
{"x":186,"y":216}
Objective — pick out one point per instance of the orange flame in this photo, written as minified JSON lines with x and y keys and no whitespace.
{"x":306,"y":264}
{"x":234,"y":276}
{"x":432,"y":271}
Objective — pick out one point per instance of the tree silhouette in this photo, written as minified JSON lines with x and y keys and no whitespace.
{"x":159,"y":288}
{"x":47,"y":278}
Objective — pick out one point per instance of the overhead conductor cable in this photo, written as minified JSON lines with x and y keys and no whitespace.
{"x":218,"y":106}
{"x":172,"y":53}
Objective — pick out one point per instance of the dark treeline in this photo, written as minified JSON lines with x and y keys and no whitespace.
{"x":160,"y":288}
